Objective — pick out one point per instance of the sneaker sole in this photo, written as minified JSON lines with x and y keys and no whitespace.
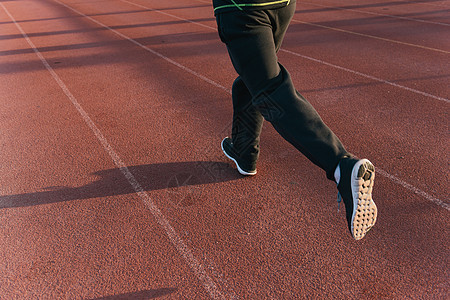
{"x":237,"y":165}
{"x":364,"y":208}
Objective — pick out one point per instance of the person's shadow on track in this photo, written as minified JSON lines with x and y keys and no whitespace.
{"x":173,"y":177}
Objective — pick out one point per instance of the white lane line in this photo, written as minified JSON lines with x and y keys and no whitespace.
{"x":413,"y":189}
{"x":371,"y":36}
{"x":395,"y":179}
{"x":422,"y":3}
{"x":367,"y":76}
{"x":167,"y":14}
{"x":375,"y":14}
{"x":174,"y":238}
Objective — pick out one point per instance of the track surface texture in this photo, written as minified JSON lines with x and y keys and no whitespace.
{"x":113,"y":184}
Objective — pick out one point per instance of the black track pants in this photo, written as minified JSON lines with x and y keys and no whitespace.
{"x":253,"y":39}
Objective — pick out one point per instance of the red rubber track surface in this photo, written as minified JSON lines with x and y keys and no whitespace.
{"x":112,"y":180}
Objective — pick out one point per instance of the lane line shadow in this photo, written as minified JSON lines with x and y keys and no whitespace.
{"x":141,"y":295}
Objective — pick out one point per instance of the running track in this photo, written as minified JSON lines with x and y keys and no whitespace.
{"x":113,"y":185}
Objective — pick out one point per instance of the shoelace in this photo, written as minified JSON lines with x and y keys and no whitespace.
{"x":339,"y":200}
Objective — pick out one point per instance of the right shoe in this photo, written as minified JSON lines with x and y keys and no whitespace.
{"x":245,"y":167}
{"x":355,"y":190}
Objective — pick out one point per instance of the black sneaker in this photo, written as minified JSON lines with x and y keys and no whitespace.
{"x":244,"y":167}
{"x":355,"y":188}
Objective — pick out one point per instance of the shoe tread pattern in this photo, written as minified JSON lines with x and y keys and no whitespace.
{"x":365,"y":210}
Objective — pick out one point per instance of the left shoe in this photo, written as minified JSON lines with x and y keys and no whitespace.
{"x":355,"y":189}
{"x":245,"y":167}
